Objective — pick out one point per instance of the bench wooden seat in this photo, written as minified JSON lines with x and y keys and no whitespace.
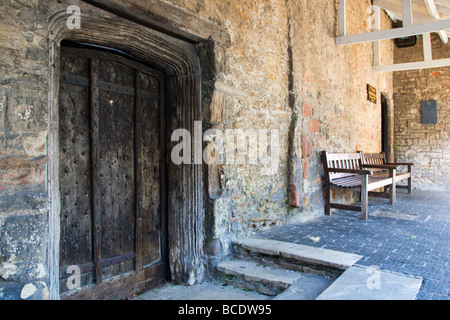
{"x":355,"y":181}
{"x":346,"y":171}
{"x":380,"y":159}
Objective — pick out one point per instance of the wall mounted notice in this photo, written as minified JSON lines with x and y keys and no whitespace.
{"x":371,"y":94}
{"x":429,"y":112}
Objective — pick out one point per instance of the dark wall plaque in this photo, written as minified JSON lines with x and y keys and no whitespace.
{"x":429,"y":112}
{"x":406,"y":42}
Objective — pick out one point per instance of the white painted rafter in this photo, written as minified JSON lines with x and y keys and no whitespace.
{"x":394,"y":33}
{"x":424,"y":11}
{"x":427,"y":54}
{"x":413,"y":65}
{"x":431,"y":6}
{"x":432,"y":9}
{"x":407,"y":13}
{"x":408,"y":29}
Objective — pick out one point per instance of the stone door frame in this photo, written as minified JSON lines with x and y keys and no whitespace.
{"x":191,"y":65}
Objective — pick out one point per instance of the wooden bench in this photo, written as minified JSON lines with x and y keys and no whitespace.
{"x":380,"y":159}
{"x":346,"y":171}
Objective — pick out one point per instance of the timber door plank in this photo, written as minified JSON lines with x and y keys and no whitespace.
{"x":116,"y":168}
{"x":95,"y":162}
{"x":76,"y":214}
{"x":149,"y":168}
{"x":112,"y":171}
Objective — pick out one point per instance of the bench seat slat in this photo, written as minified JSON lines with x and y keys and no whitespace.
{"x":348,"y":182}
{"x":374,"y":183}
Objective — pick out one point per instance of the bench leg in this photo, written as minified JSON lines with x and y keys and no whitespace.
{"x":410,"y":179}
{"x":327,"y":201}
{"x":410,"y":185}
{"x":364,"y":197}
{"x":393,"y":189}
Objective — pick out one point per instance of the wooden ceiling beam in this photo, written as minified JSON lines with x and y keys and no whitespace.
{"x":421,"y":13}
{"x":407,"y":13}
{"x":393,"y":33}
{"x":432,"y":9}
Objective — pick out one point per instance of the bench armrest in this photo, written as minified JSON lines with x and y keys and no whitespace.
{"x":380,"y":166}
{"x":400,"y":164}
{"x":336,"y":170}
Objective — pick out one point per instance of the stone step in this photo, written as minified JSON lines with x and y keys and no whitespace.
{"x":307,"y":287}
{"x":268,"y":274}
{"x":365,"y":283}
{"x":295,"y":256}
{"x":254,"y":276}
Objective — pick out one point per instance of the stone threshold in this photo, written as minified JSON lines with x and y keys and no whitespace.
{"x":354,"y":282}
{"x":300,"y":254}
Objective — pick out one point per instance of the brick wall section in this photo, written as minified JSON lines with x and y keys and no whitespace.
{"x":427,"y":145}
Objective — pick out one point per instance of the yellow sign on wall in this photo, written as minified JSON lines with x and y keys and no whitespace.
{"x":371,"y":94}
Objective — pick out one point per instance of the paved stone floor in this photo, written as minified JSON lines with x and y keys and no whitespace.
{"x":412,"y":237}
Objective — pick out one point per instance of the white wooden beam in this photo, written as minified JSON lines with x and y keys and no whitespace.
{"x":413,"y":65}
{"x":431,"y":6}
{"x":432,"y":9}
{"x":393,"y":33}
{"x":421,"y":14}
{"x":427,"y":47}
{"x":407,"y":13}
{"x":342,"y":17}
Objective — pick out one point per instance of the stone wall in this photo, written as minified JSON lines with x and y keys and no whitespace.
{"x":23,"y":155}
{"x":283,"y":62}
{"x":282,"y":71}
{"x":426,"y":145}
{"x":330,"y":84}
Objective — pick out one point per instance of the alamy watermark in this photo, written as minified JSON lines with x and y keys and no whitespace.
{"x":74,"y":20}
{"x":374,"y":279}
{"x":230,"y":147}
{"x":74,"y":280}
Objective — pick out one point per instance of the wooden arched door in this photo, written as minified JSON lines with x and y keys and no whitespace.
{"x":112,"y":175}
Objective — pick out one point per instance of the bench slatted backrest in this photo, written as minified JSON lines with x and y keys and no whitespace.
{"x":341,"y":161}
{"x":374,"y":158}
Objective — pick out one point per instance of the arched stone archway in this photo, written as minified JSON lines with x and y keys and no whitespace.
{"x":180,"y":61}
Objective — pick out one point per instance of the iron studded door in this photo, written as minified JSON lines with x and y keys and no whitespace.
{"x":111,"y":122}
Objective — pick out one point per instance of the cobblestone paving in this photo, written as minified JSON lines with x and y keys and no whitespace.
{"x":412,"y":237}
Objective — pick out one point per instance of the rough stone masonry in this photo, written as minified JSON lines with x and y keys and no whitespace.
{"x":427,"y":145}
{"x":281,"y":71}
